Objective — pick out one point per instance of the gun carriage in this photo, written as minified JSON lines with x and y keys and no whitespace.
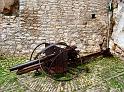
{"x":54,"y":58}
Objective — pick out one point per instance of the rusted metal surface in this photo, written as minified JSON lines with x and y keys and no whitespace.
{"x":29,"y":63}
{"x":56,"y":59}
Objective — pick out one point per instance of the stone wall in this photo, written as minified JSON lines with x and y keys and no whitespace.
{"x":53,"y":21}
{"x":117,"y":39}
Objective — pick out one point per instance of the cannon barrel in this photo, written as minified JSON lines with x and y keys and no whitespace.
{"x":33,"y":62}
{"x":28,"y":69}
{"x":24,"y":65}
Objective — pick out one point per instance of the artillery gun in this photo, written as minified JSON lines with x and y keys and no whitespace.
{"x":54,"y":58}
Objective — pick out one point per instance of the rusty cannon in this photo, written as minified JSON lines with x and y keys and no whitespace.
{"x":54,"y":58}
{"x":57,"y":58}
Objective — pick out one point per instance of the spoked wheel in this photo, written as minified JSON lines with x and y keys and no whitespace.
{"x":71,"y":69}
{"x":62,"y":66}
{"x":40,"y":46}
{"x":39,"y":55}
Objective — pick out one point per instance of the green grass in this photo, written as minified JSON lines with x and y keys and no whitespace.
{"x":108,"y":71}
{"x":8,"y":80}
